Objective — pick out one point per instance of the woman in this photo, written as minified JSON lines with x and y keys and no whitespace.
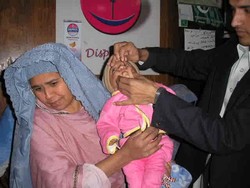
{"x":57,"y":101}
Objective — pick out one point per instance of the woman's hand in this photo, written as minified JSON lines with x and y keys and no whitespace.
{"x":142,"y":144}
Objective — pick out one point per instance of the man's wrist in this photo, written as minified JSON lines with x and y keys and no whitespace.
{"x":158,"y":93}
{"x":143,"y":54}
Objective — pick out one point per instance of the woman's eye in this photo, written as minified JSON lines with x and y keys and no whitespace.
{"x":37,"y":89}
{"x":53,"y":83}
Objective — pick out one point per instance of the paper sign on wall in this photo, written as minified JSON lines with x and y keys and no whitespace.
{"x":72,"y":36}
{"x":199,"y":39}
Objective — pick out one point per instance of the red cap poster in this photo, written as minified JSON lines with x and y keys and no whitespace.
{"x":111,"y":16}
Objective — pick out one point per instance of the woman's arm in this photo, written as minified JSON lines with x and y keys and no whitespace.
{"x":139,"y":145}
{"x":52,"y":165}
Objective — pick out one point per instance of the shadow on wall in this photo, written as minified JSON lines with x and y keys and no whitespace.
{"x":144,"y":14}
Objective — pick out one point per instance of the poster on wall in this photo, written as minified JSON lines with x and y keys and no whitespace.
{"x":105,"y":22}
{"x":200,"y":14}
{"x":212,"y":3}
{"x":72,"y":36}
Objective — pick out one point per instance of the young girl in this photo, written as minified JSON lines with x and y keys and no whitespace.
{"x":118,"y":123}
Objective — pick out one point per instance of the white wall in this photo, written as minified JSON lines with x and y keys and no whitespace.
{"x":146,"y":31}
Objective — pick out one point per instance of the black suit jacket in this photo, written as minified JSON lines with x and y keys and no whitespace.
{"x":201,"y":128}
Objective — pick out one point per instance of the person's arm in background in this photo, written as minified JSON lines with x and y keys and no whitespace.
{"x":3,"y":101}
{"x":7,"y":124}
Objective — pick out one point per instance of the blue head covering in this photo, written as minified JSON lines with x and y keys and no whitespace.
{"x":39,"y":68}
{"x":51,"y":57}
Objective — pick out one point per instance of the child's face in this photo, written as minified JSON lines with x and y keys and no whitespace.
{"x":124,"y":69}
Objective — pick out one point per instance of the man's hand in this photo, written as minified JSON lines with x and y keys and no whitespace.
{"x":139,"y":90}
{"x":126,"y":51}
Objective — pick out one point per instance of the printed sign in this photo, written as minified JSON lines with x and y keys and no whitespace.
{"x":72,"y":36}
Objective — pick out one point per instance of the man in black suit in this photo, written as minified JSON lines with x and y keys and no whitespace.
{"x":220,"y":123}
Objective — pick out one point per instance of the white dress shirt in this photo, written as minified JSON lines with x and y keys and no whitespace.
{"x":238,"y":70}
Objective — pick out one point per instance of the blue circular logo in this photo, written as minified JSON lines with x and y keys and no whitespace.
{"x":72,"y":29}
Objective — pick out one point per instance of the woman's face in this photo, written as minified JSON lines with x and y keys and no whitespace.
{"x":124,"y":69}
{"x":53,"y":92}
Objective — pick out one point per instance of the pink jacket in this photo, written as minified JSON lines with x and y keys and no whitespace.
{"x":116,"y":121}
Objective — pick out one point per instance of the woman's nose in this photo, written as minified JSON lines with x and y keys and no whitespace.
{"x":48,"y":93}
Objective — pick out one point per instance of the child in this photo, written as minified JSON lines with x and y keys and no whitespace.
{"x":117,"y":123}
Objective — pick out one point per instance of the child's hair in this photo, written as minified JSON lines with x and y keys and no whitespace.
{"x":105,"y":77}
